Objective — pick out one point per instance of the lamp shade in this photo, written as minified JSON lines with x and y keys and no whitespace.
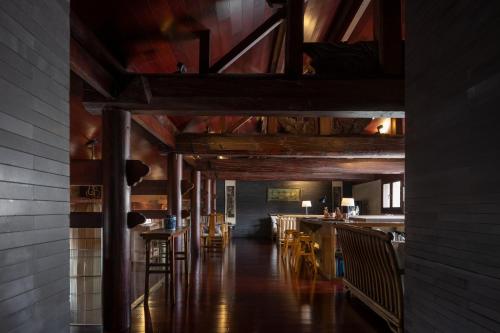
{"x":306,"y":203}
{"x":347,"y":202}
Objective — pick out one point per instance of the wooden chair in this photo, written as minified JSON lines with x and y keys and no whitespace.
{"x":288,"y":242}
{"x":372,"y":273}
{"x":285,"y":223}
{"x":213,"y":239}
{"x":304,"y":252}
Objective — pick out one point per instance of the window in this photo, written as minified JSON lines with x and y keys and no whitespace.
{"x":386,"y":195}
{"x":392,"y":193}
{"x":396,"y":195}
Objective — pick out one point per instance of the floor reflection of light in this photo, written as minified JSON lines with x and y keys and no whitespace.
{"x":222,"y":317}
{"x":305,"y":313}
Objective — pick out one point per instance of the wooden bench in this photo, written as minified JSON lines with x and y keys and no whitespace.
{"x":372,"y":273}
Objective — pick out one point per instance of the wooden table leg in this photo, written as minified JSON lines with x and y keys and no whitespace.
{"x":146,"y":278}
{"x":186,"y":249}
{"x":172,"y":269}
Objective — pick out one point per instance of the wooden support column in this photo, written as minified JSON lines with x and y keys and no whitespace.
{"x":207,"y":196}
{"x":195,"y":212}
{"x":294,"y":37}
{"x":272,"y":125}
{"x":388,"y":33}
{"x":214,"y":196}
{"x":204,"y":51}
{"x":325,"y":125}
{"x":174,"y":185}
{"x":116,"y":282}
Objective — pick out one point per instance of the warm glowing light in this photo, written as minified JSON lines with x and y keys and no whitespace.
{"x":386,"y":123}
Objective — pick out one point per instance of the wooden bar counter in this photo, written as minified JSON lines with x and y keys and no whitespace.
{"x":323,"y":232}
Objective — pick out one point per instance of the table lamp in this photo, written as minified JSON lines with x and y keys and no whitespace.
{"x":306,"y":204}
{"x":347,"y":202}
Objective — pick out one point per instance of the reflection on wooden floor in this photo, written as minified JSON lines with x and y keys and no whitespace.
{"x":249,"y":289}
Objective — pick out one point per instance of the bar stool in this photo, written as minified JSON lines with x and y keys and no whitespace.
{"x":289,"y":239}
{"x":304,"y":251}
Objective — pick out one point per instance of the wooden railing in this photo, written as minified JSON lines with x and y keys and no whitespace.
{"x":372,"y":273}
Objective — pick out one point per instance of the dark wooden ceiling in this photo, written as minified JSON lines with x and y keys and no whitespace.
{"x":152,"y":36}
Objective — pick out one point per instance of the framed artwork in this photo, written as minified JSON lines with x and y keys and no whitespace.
{"x":283,"y":194}
{"x":230,"y":201}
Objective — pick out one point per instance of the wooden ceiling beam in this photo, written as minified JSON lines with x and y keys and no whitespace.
{"x":248,"y":42}
{"x":156,"y":128}
{"x":259,"y":95}
{"x":294,"y":38}
{"x":90,"y":70}
{"x":341,"y":21}
{"x":252,"y":176}
{"x":376,"y":146}
{"x":279,"y":40}
{"x":304,"y":165}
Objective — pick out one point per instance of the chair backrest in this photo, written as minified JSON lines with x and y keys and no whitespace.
{"x":212,"y":222}
{"x":286,"y":222}
{"x":372,"y":268}
{"x":221,"y":218}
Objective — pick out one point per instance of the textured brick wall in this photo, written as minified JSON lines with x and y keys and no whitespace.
{"x":453,"y":166}
{"x":34,"y":165}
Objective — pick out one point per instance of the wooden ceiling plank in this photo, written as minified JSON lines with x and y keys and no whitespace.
{"x":376,"y":146}
{"x":294,"y":38}
{"x":248,"y":42}
{"x":266,"y":94}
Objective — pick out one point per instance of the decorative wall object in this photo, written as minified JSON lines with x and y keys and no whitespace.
{"x":299,"y":125}
{"x":283,"y":194}
{"x":230,"y":201}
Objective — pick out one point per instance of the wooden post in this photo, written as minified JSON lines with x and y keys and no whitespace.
{"x":389,"y":36}
{"x":174,"y":185}
{"x":204,"y":51}
{"x":214,"y":196}
{"x":294,"y":37}
{"x":207,"y":196}
{"x":325,"y":125}
{"x":116,"y":281}
{"x":195,"y":212}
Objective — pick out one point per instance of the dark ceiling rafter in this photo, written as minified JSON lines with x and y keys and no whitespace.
{"x":248,"y":42}
{"x":343,"y":17}
{"x":234,"y":127}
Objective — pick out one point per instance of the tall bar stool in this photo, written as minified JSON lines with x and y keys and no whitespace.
{"x":304,"y":251}
{"x":290,"y":237}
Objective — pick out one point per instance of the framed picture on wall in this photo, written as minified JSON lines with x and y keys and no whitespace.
{"x":230,"y":201}
{"x":283,"y":194}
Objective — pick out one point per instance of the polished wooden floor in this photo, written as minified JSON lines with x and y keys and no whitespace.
{"x":249,"y":289}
